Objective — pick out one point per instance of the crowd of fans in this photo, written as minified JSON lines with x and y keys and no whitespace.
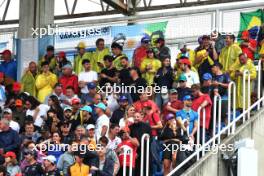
{"x":55,"y":121}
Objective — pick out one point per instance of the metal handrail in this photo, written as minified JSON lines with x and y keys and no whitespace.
{"x":231,"y":86}
{"x":128,"y":151}
{"x":198,"y":130}
{"x":143,"y":138}
{"x":219,"y":116}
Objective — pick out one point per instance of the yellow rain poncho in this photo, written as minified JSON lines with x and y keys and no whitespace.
{"x":28,"y":82}
{"x":150,"y":74}
{"x":117,"y":62}
{"x":239,"y":80}
{"x":229,"y":55}
{"x":98,"y":56}
{"x":45,"y":84}
{"x":78,"y":62}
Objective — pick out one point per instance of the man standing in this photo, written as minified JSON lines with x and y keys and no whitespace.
{"x":183,"y":89}
{"x":81,"y":55}
{"x":120,"y":112}
{"x":174,"y":105}
{"x":248,"y":45}
{"x":69,"y":79}
{"x":8,"y":66}
{"x":102,"y":122}
{"x":192,"y":77}
{"x":29,"y":79}
{"x":109,"y":73}
{"x":97,"y":59}
{"x":141,"y":52}
{"x":138,"y":83}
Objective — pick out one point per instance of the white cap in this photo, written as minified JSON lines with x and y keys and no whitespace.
{"x":7,"y":110}
{"x":90,"y":126}
{"x":50,"y":158}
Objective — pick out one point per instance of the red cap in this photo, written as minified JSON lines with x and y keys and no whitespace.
{"x":75,"y":101}
{"x":245,"y":34}
{"x":185,"y":61}
{"x":62,"y":54}
{"x":10,"y":154}
{"x":19,"y":103}
{"x":1,"y":75}
{"x":6,"y":52}
{"x":16,"y":86}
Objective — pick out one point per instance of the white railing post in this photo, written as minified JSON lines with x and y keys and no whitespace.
{"x":198,"y":132}
{"x":128,"y":151}
{"x":219,"y":104}
{"x":143,"y":138}
{"x":259,"y":81}
{"x":231,"y":86}
{"x":246,"y":74}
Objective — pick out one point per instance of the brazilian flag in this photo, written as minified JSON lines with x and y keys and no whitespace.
{"x":251,"y":21}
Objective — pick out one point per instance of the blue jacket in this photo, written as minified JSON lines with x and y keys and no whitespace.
{"x":9,"y":140}
{"x":9,"y":69}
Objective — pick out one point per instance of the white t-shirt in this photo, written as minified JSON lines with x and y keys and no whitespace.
{"x":43,"y":109}
{"x":112,"y":144}
{"x":103,"y":120}
{"x":89,"y":76}
{"x":192,"y":78}
{"x":14,"y":125}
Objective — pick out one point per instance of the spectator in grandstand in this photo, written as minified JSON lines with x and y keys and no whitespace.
{"x":54,"y":105}
{"x":28,"y":79}
{"x":30,"y":134}
{"x":109,"y":73}
{"x":86,"y":76}
{"x":52,"y":121}
{"x":11,"y":164}
{"x":9,"y":138}
{"x":163,"y":50}
{"x":65,"y":161}
{"x":50,"y":166}
{"x":164,"y":80}
{"x":113,"y":138}
{"x":3,"y":171}
{"x":137,"y":129}
{"x":88,"y":98}
{"x":78,"y":168}
{"x":183,"y":89}
{"x":138,"y":83}
{"x":117,"y":55}
{"x":153,"y":119}
{"x":248,"y":45}
{"x":84,"y":118}
{"x":209,"y":47}
{"x":202,"y":101}
{"x":127,"y":142}
{"x":173,"y":105}
{"x":204,"y":63}
{"x":91,"y":135}
{"x":149,"y":67}
{"x":49,"y":58}
{"x":229,"y":53}
{"x":61,"y":60}
{"x":70,"y":96}
{"x":8,"y":67}
{"x":120,"y":112}
{"x":57,"y":92}
{"x":218,"y":41}
{"x":207,"y":86}
{"x":8,"y":115}
{"x":192,"y":76}
{"x":68,"y":79}
{"x":33,"y":167}
{"x":188,"y":118}
{"x":141,"y":52}
{"x":185,"y":52}
{"x":65,"y":129}
{"x":237,"y":74}
{"x":81,"y":55}
{"x":97,"y":59}
{"x":45,"y":82}
{"x":54,"y":141}
{"x":144,"y":101}
{"x":128,"y":118}
{"x":102,"y":123}
{"x":19,"y":112}
{"x":124,"y":74}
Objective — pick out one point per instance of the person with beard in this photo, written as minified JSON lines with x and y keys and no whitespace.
{"x":120,"y":112}
{"x":48,"y":57}
{"x":84,"y":118}
{"x":164,"y":80}
{"x":136,"y":131}
{"x":28,"y":79}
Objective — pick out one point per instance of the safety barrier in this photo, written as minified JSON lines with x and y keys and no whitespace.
{"x":246,"y":73}
{"x":231,"y":87}
{"x":219,"y":116}
{"x":259,"y":80}
{"x":143,"y":138}
{"x":128,"y":151}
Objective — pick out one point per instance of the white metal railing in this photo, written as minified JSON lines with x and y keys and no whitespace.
{"x":259,"y":80}
{"x":216,"y":136}
{"x":219,"y":116}
{"x":231,"y":91}
{"x":246,"y":74}
{"x":143,"y":138}
{"x":128,"y":151}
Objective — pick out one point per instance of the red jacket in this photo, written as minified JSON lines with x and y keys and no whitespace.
{"x":69,"y":81}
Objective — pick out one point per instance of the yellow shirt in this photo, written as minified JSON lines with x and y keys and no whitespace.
{"x":150,"y":74}
{"x":79,"y":170}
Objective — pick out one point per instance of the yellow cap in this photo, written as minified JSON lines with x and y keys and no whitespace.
{"x":81,"y":45}
{"x":201,"y":53}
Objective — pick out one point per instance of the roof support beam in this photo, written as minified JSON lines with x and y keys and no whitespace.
{"x":118,"y":5}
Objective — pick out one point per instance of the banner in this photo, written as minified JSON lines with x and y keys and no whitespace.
{"x":3,"y":46}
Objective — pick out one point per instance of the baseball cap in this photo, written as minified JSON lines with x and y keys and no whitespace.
{"x":91,"y":85}
{"x":10,"y":154}
{"x":182,"y":78}
{"x":7,"y":110}
{"x":169,"y":116}
{"x":67,"y":108}
{"x":123,"y":98}
{"x":90,"y":126}
{"x":101,"y":106}
{"x":207,"y":76}
{"x":50,"y":158}
{"x":87,"y":108}
{"x":145,"y":39}
{"x":19,"y":102}
{"x":62,"y":54}
{"x":187,"y":98}
{"x":6,"y":52}
{"x":16,"y":86}
{"x":67,"y":66}
{"x":172,"y":91}
{"x":185,"y":61}
{"x":75,"y":101}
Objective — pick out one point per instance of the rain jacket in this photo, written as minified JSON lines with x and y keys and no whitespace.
{"x":117,"y":62}
{"x":150,"y":74}
{"x":28,"y":82}
{"x":45,"y":84}
{"x":78,"y":62}
{"x":98,"y":56}
{"x":229,"y":55}
{"x":239,"y":80}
